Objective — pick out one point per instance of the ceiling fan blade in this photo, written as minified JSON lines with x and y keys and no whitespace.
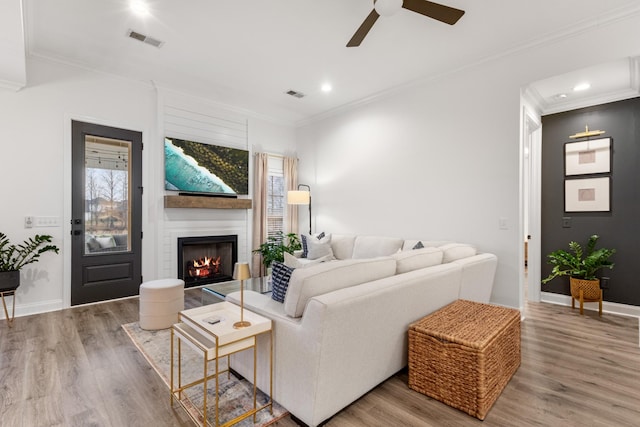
{"x":442,"y":13}
{"x":364,"y":29}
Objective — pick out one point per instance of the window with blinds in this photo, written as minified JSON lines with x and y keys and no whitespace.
{"x":276,"y":201}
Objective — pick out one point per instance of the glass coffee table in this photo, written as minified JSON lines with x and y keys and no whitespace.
{"x":217,"y":292}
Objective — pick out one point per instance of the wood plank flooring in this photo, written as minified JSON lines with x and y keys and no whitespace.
{"x":77,"y":367}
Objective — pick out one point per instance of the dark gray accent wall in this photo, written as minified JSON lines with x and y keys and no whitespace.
{"x":618,"y":229}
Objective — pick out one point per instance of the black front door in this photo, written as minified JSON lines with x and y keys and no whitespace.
{"x":106,"y":213}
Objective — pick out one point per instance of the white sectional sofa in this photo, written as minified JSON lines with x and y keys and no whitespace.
{"x":342,"y":328}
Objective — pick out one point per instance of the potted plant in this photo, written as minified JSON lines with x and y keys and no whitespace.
{"x":14,"y":257}
{"x":581,"y":267}
{"x":275,"y":247}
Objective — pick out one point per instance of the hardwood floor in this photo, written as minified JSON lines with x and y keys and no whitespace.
{"x":77,"y":367}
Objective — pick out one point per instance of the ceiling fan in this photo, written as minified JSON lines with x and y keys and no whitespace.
{"x":446,"y":14}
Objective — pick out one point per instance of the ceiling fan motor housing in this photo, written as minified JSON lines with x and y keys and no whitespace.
{"x":387,"y":7}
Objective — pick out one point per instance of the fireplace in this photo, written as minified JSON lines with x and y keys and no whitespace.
{"x":206,"y":259}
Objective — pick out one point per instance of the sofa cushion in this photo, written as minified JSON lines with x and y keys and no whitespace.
{"x":280,"y":276}
{"x":320,"y":279}
{"x":419,"y":258}
{"x":375,"y":246}
{"x":342,"y":245}
{"x":455,"y":251}
{"x":121,"y":239}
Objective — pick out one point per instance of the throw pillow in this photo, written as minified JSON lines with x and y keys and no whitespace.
{"x":280,"y":276}
{"x":106,"y":242}
{"x":294,"y":262}
{"x":305,"y":238}
{"x":418,"y":245}
{"x":319,"y":249}
{"x":92,"y":244}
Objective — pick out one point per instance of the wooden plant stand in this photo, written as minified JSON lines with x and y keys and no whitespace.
{"x":585,"y":291}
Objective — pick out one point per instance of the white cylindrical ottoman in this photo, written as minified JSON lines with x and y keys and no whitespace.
{"x":160,"y":302}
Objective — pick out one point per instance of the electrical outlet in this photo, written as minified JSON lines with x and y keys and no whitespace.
{"x":604,"y":282}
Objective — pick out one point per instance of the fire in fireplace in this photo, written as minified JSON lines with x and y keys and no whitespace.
{"x":206,"y":259}
{"x":203,"y":267}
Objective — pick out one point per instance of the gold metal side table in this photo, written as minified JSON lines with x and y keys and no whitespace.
{"x":214,"y":341}
{"x":9,"y":293}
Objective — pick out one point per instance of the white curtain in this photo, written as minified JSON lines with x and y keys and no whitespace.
{"x":291,"y":183}
{"x":259,"y":211}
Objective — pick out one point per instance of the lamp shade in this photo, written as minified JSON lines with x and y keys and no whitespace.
{"x":298,"y":197}
{"x":241,"y":271}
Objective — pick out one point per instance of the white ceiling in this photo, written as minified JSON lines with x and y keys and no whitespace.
{"x":250,"y":52}
{"x":609,"y":82}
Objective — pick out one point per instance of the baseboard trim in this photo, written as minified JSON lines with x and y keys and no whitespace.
{"x":34,"y":308}
{"x":607,"y":307}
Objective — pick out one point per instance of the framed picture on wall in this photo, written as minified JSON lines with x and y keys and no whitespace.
{"x":587,"y":157}
{"x":587,"y":195}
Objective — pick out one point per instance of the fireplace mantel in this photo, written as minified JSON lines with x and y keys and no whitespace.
{"x":204,"y":202}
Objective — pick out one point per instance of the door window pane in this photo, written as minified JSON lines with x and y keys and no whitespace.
{"x":107,"y":195}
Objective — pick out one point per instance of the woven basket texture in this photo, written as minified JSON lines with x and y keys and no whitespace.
{"x":590,"y":289}
{"x":465,"y":354}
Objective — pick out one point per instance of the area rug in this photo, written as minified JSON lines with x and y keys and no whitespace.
{"x":235,"y":395}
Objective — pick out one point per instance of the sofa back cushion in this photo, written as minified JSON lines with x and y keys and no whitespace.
{"x":342,"y":245}
{"x":306,"y":283}
{"x":375,"y":246}
{"x":455,"y":251}
{"x":418,"y":258}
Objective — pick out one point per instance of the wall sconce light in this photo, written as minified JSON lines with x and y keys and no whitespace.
{"x":301,"y":197}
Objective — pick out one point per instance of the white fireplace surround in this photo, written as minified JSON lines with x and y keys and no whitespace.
{"x":170,"y":254}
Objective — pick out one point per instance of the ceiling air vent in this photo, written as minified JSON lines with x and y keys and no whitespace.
{"x":144,"y":39}
{"x":295,"y":93}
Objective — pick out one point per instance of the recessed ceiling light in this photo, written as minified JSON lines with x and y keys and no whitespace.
{"x":561,"y":95}
{"x":139,"y":7}
{"x":326,"y":87}
{"x":582,"y":86}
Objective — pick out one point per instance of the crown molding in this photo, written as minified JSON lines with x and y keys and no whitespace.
{"x":11,"y":85}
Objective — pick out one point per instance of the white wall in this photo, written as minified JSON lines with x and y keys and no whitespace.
{"x":441,"y":159}
{"x":35,"y":166}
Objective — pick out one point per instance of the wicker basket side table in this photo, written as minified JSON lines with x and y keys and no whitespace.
{"x":465,"y":354}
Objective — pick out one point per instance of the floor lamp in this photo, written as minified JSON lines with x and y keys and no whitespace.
{"x":301,"y":197}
